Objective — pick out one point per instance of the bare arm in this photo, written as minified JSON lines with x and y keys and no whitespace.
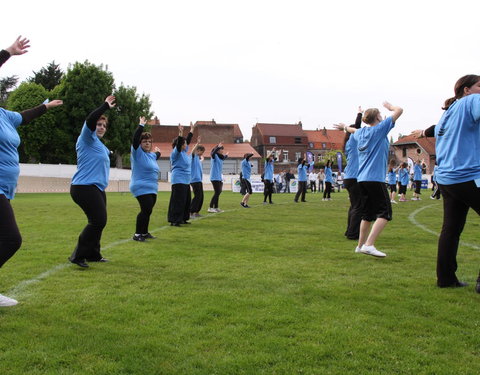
{"x":397,"y":111}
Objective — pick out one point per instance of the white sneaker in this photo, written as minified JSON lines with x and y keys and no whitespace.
{"x":414,"y":199}
{"x":213,"y":210}
{"x":371,"y":250}
{"x":357,"y":250}
{"x":5,"y":301}
{"x":392,"y":201}
{"x":218,"y":210}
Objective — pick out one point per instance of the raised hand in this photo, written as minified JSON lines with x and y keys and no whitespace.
{"x":339,"y":126}
{"x":157,"y":149}
{"x":110,"y":100}
{"x":142,"y":120}
{"x":192,"y":126}
{"x":54,"y":103}
{"x":19,"y":47}
{"x":180,"y":130}
{"x":417,"y":133}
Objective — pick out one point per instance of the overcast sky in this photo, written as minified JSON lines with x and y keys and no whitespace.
{"x":266,"y":61}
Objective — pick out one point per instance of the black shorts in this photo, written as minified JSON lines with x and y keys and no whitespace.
{"x":247,"y":185}
{"x":418,"y":186}
{"x":375,"y":201}
{"x":402,"y":189}
{"x":393,"y":188}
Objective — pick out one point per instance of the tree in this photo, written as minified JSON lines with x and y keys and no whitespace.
{"x":83,"y":88}
{"x":42,"y":141}
{"x":48,"y":77}
{"x":332,"y":155}
{"x":6,"y":86}
{"x":124,"y":120}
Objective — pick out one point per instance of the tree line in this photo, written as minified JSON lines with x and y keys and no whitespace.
{"x":83,"y":87}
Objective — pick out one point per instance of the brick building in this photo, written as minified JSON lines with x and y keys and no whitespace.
{"x":409,"y":147}
{"x":321,"y":141}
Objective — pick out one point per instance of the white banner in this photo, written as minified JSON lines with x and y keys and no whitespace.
{"x":258,"y":186}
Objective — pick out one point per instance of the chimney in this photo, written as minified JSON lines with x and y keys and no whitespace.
{"x":300,"y":123}
{"x":324,"y":131}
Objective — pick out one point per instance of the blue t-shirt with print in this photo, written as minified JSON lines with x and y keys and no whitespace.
{"x":417,"y":172}
{"x":197,"y":169}
{"x":372,"y":146}
{"x":144,"y":172}
{"x":268,"y":174}
{"x":181,"y":166}
{"x":351,"y":170}
{"x":246,"y":169}
{"x":302,"y":172}
{"x":216,"y":167}
{"x":392,"y":178}
{"x":93,"y":162}
{"x":403,"y":176}
{"x":9,"y":160}
{"x":457,"y":146}
{"x":328,"y":175}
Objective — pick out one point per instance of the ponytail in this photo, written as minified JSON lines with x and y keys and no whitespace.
{"x":464,"y":82}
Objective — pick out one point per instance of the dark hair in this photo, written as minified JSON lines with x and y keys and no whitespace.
{"x":370,"y":116}
{"x":200,"y":148}
{"x":145,"y":135}
{"x":329,"y":163}
{"x":466,"y":81}
{"x":300,"y":160}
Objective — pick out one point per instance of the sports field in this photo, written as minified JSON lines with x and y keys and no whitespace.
{"x":274,"y":289}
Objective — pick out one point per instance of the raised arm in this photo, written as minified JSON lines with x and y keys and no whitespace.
{"x":138,"y":133}
{"x":190,"y":133}
{"x":31,"y":114}
{"x":397,"y":111}
{"x":19,"y":47}
{"x":429,"y":132}
{"x":93,"y":117}
{"x":345,"y":128}
{"x":180,"y":139}
{"x":358,"y":120}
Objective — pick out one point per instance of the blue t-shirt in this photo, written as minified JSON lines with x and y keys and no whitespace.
{"x":144,"y":172}
{"x":93,"y":162}
{"x":458,"y":142}
{"x":372,"y":146}
{"x":417,"y":172}
{"x":392,"y":178}
{"x":246,"y":169}
{"x":216,"y":167}
{"x":351,"y":170}
{"x":268,"y":174}
{"x":302,"y":172}
{"x":9,"y":142}
{"x":181,"y":165}
{"x":403,"y":176}
{"x":197,"y":169}
{"x":328,"y":175}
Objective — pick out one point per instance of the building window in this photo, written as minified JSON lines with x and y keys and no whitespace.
{"x":298,"y":155}
{"x":298,"y":140}
{"x":419,"y":151}
{"x":324,"y":146}
{"x":404,"y":152}
{"x":273,"y":140}
{"x":285,"y":156}
{"x":310,"y":144}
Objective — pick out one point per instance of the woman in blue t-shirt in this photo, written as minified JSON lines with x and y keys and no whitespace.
{"x":181,"y":165}
{"x":196,"y":179}
{"x":144,"y":181}
{"x":403,"y":178}
{"x":392,"y":180}
{"x":302,"y":179}
{"x":417,"y":179}
{"x":268,"y":177}
{"x":89,"y":183}
{"x":328,"y":181}
{"x":457,"y":136}
{"x":216,"y":167}
{"x":10,"y":238}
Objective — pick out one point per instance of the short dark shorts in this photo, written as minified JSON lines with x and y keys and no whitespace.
{"x":375,"y":201}
{"x":418,"y":186}
{"x":402,"y":189}
{"x":393,"y":188}
{"x":247,"y":185}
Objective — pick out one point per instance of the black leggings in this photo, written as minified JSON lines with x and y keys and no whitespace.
{"x":313,"y":186}
{"x":179,"y":207}
{"x":328,"y":189}
{"x":302,"y":190}
{"x":267,"y":190}
{"x":457,"y":200}
{"x":217,"y":187}
{"x":93,"y":202}
{"x":197,"y":201}
{"x":355,"y":210}
{"x":10,"y":238}
{"x":147,"y":202}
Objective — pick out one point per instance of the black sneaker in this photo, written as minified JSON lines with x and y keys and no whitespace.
{"x":242,"y":204}
{"x":148,"y":236}
{"x":138,"y":238}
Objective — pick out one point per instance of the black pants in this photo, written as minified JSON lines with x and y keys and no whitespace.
{"x":217,"y":190}
{"x":418,"y":186}
{"x":197,"y":201}
{"x":355,"y":210}
{"x":287,"y":186}
{"x":436,"y":192}
{"x":320,"y":185}
{"x":93,"y":202}
{"x":179,"y":207}
{"x":457,"y":200}
{"x":10,"y":238}
{"x":302,"y":189}
{"x":328,"y":190}
{"x":313,"y":186}
{"x":147,"y":202}
{"x":267,"y":190}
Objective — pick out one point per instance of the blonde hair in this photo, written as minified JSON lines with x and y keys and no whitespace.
{"x":370,"y":116}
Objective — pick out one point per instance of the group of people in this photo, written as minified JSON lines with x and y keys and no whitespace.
{"x":457,"y":175}
{"x":403,"y":180}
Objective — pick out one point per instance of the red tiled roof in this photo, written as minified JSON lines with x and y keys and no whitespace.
{"x":428,"y":143}
{"x":279,"y":130}
{"x":333,"y":139}
{"x":235,"y":150}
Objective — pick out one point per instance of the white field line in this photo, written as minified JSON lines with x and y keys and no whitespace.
{"x":414,"y":221}
{"x":20,"y":289}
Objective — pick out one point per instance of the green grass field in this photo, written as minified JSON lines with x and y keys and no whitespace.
{"x":274,"y":289}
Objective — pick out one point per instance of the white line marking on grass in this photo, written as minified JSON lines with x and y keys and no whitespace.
{"x":21,"y":287}
{"x":414,"y":221}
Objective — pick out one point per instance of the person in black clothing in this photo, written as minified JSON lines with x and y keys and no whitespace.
{"x":216,"y":167}
{"x":10,"y":238}
{"x":288,"y":176}
{"x":196,"y":181}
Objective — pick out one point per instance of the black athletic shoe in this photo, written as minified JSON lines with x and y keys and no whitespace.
{"x":138,"y":238}
{"x":80,"y":263}
{"x":148,"y":236}
{"x":456,"y":284}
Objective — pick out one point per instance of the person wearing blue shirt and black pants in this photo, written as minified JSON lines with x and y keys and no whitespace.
{"x":181,"y":164}
{"x":417,"y":179}
{"x":89,"y":184}
{"x":268,"y":177}
{"x":245,"y":179}
{"x":302,"y":179}
{"x":216,"y":168}
{"x":372,"y":146}
{"x":10,"y":237}
{"x":457,"y":136}
{"x":403,"y":178}
{"x":196,"y":180}
{"x":328,"y":181}
{"x":144,"y":181}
